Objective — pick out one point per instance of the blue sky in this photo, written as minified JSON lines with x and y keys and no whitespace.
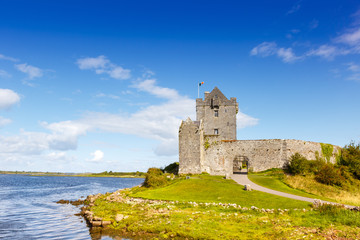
{"x":89,"y":86}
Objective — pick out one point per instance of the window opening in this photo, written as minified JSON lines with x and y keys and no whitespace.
{"x":216,"y":113}
{"x":216,"y":131}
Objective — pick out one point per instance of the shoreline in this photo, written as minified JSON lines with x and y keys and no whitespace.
{"x":119,"y":214}
{"x":69,"y":175}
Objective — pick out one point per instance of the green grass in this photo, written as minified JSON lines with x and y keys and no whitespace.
{"x":273,"y":180}
{"x":184,"y":220}
{"x":305,"y":186}
{"x":180,"y":219}
{"x":205,"y":188}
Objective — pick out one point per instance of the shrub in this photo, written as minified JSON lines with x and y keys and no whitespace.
{"x":314,"y":166}
{"x":172,"y":168}
{"x":155,"y":178}
{"x":298,"y":164}
{"x":330,"y":175}
{"x":350,"y":157}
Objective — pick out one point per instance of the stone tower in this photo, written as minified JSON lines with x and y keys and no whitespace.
{"x":218,"y":114}
{"x":215,"y":119}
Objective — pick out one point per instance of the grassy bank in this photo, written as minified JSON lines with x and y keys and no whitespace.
{"x":337,"y":194}
{"x":209,"y":207}
{"x":306,"y":186}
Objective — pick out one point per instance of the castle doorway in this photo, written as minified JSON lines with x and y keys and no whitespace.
{"x":240,"y":164}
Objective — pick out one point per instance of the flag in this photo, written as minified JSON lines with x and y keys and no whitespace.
{"x":201,"y":83}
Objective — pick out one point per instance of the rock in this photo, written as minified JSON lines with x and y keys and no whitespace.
{"x":119,"y":217}
{"x":105,"y":223}
{"x":96,"y":223}
{"x":77,"y":202}
{"x":88,"y":213}
{"x":317,"y":203}
{"x":247,"y":187}
{"x":97,"y":218}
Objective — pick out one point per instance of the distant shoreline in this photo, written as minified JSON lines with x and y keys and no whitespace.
{"x":53,"y":174}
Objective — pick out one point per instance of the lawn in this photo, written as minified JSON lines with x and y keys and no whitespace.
{"x":205,"y":188}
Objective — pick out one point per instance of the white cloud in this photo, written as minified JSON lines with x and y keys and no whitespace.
{"x":56,"y":156}
{"x":31,"y":71}
{"x":149,"y":86}
{"x":354,"y":77}
{"x":4,"y":74}
{"x":119,"y":73}
{"x":8,"y":98}
{"x":266,"y":49}
{"x":355,"y":71}
{"x":327,"y":51}
{"x":97,"y":156}
{"x":103,"y":95}
{"x":4,"y":121}
{"x":26,"y":143}
{"x":353,"y":67}
{"x":352,"y":37}
{"x":3,"y":57}
{"x":287,"y":55}
{"x":243,"y":120}
{"x":93,"y":63}
{"x":102,"y":65}
{"x":295,"y":8}
{"x":64,"y":135}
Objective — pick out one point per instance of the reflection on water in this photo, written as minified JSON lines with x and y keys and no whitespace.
{"x":28,"y":208}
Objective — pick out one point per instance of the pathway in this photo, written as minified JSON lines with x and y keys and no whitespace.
{"x":242,"y":179}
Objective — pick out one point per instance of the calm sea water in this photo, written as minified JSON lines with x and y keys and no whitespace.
{"x":28,"y":208}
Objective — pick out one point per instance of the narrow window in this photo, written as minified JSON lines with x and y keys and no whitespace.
{"x":216,"y":131}
{"x":216,"y":113}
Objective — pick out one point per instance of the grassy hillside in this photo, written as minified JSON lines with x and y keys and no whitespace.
{"x":205,"y":188}
{"x":307,"y":186}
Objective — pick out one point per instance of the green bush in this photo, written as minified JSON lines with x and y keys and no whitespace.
{"x":330,"y":175}
{"x":350,"y":157}
{"x":298,"y":164}
{"x":172,"y":168}
{"x":155,"y":178}
{"x":314,"y":166}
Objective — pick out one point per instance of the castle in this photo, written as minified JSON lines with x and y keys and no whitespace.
{"x":209,"y":144}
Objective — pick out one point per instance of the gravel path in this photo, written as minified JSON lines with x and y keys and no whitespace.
{"x":242,"y":179}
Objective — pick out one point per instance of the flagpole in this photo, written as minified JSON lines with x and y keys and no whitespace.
{"x":198,"y":90}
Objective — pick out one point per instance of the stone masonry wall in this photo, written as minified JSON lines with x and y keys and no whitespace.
{"x":261,"y":154}
{"x":309,"y":149}
{"x":190,"y":138}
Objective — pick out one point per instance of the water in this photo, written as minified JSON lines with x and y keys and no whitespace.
{"x":28,"y":208}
